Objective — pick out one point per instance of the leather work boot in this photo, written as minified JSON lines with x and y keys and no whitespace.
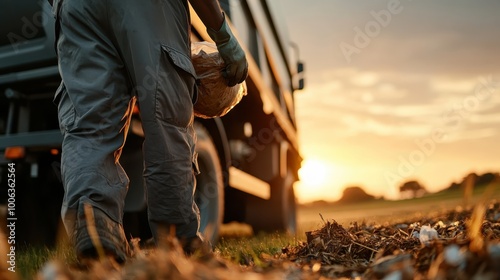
{"x":196,"y":244}
{"x":110,"y":234}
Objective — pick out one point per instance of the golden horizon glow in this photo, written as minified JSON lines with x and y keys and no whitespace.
{"x":318,"y":179}
{"x":368,"y":114}
{"x":314,"y":173}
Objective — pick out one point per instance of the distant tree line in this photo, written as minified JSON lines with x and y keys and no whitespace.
{"x":413,"y":188}
{"x":475,"y":180}
{"x":355,"y":194}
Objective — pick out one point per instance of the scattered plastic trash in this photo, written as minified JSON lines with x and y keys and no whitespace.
{"x":427,"y":234}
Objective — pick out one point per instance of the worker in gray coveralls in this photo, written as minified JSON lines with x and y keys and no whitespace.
{"x":112,"y":53}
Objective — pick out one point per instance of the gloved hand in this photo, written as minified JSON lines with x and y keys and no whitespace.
{"x":236,"y":70}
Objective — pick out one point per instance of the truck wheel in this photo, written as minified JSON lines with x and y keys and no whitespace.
{"x":209,"y":194}
{"x":277,"y":213}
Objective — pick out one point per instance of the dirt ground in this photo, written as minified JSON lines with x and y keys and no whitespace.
{"x":457,"y":243}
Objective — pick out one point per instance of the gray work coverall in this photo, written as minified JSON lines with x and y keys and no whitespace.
{"x":110,"y":53}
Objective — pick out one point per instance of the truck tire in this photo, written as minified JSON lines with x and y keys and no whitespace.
{"x":209,"y":194}
{"x":38,"y":203}
{"x":276,"y":214}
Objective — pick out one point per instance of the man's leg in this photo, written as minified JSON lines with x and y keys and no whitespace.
{"x":154,"y":41}
{"x":94,"y":108}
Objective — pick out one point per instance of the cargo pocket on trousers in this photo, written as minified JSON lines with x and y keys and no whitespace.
{"x":65,"y":109}
{"x":179,"y":104}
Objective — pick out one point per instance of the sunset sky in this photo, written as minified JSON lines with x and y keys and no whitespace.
{"x":395,"y":91}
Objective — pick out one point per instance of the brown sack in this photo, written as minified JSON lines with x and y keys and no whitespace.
{"x":215,"y":97}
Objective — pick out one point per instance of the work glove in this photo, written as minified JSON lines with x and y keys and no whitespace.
{"x":236,"y":66}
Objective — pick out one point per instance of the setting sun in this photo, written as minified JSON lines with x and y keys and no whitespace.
{"x":318,"y":180}
{"x":313,"y":173}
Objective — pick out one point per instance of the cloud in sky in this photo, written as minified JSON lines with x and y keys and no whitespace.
{"x":425,"y":37}
{"x":435,"y":66}
{"x":386,"y":109}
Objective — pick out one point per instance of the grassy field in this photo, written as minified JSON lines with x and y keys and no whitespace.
{"x":249,"y":250}
{"x":383,"y":211}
